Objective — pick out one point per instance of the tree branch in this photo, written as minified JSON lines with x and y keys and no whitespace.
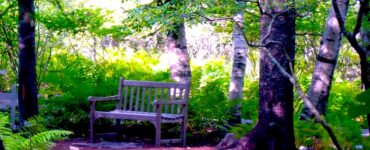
{"x":352,"y":37}
{"x":213,"y":19}
{"x":307,"y":33}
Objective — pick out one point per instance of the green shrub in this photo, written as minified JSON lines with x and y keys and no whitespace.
{"x":209,"y":105}
{"x":346,"y":128}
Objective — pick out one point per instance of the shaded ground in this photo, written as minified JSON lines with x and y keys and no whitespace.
{"x":82,"y":144}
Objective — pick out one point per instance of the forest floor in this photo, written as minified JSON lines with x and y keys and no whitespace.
{"x":83,"y":144}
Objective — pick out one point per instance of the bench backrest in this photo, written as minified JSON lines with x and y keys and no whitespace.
{"x":9,"y":99}
{"x":140,"y":95}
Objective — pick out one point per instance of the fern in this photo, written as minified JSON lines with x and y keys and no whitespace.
{"x":35,"y":136}
{"x":43,"y":140}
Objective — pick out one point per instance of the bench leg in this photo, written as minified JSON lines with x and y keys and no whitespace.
{"x":183,"y":133}
{"x":92,"y":123}
{"x":118,"y":129}
{"x":12,"y":118}
{"x":157,"y":134}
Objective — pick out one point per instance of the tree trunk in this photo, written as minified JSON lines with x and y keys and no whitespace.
{"x":274,"y":129}
{"x":27,"y":60}
{"x":1,"y":145}
{"x":365,"y":35}
{"x":327,"y":58}
{"x":239,"y":64}
{"x":178,"y":54}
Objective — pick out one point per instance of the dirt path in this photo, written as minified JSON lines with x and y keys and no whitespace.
{"x":82,"y":144}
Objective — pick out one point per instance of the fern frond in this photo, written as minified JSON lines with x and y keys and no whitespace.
{"x":43,"y":140}
{"x":4,"y":122}
{"x":11,"y":142}
{"x":36,"y":125}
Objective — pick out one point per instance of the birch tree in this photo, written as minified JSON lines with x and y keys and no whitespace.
{"x":239,"y":63}
{"x":178,"y":54}
{"x":327,"y":58}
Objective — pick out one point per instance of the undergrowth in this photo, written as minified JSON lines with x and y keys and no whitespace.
{"x":34,"y":136}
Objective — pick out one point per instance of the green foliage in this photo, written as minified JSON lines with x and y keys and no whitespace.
{"x":342,"y":94}
{"x":249,"y":103}
{"x":310,"y":134}
{"x":209,"y":105}
{"x":66,"y":112}
{"x":72,"y":78}
{"x":34,"y":136}
{"x":361,"y":104}
{"x":241,"y":130}
{"x":315,"y":16}
{"x":346,"y":129}
{"x":74,"y":21}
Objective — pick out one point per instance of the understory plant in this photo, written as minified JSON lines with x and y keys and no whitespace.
{"x":34,"y":136}
{"x":346,"y":127}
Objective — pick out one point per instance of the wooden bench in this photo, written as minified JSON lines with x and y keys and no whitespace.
{"x":156,"y":102}
{"x":9,"y":100}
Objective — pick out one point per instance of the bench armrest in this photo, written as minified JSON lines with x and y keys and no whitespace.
{"x":161,"y":102}
{"x":107,"y":98}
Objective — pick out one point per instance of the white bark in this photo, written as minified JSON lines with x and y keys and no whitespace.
{"x":178,"y":54}
{"x":326,"y":61}
{"x":239,"y":62}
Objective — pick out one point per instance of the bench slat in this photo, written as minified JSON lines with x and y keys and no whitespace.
{"x":173,"y":98}
{"x":162,"y":95}
{"x":143,"y":99}
{"x":155,"y":97}
{"x":125,"y":99}
{"x":119,"y":105}
{"x":167,"y":99}
{"x":170,"y":141}
{"x":148,"y":103}
{"x":137,"y":98}
{"x":131,"y":98}
{"x":180,"y":97}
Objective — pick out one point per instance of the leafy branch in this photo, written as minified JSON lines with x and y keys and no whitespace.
{"x":7,"y":9}
{"x":351,"y":36}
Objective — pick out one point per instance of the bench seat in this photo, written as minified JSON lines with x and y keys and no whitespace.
{"x":134,"y":115}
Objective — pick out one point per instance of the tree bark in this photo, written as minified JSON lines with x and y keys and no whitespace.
{"x":27,"y":60}
{"x":365,"y":36}
{"x":239,"y":64}
{"x":1,"y":145}
{"x":178,"y":54}
{"x":327,"y":58}
{"x":274,"y":129}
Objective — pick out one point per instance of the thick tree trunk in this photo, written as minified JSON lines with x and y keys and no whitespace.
{"x":27,"y":60}
{"x":239,"y":64}
{"x":327,"y":58}
{"x":178,"y":54}
{"x":274,"y":129}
